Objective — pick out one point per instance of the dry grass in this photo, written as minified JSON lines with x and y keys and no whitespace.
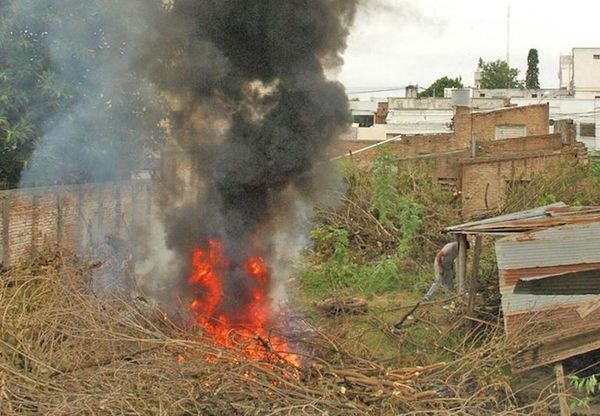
{"x":65,"y":352}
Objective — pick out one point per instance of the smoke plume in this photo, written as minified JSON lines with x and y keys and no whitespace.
{"x":251,"y":114}
{"x":254,"y":109}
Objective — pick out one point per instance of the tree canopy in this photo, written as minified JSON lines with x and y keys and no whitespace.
{"x":498,"y":74}
{"x":532,"y":80}
{"x":437,"y":88}
{"x":65,"y":91}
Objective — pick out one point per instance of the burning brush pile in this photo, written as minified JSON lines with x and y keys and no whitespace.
{"x":253,"y":108}
{"x":63,"y":351}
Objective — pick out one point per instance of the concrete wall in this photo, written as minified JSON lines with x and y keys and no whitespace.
{"x":565,"y":74}
{"x":586,"y":72}
{"x":442,"y":103}
{"x":74,"y":217}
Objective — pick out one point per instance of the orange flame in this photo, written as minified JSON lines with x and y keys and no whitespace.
{"x":247,"y":329}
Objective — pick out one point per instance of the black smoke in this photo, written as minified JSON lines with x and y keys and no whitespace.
{"x":254,"y":112}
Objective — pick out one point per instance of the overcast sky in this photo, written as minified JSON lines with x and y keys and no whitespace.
{"x":399,"y":42}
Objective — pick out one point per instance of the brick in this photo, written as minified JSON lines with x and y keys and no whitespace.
{"x":87,"y":214}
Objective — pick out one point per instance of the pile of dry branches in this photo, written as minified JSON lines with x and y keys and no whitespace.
{"x":63,"y":351}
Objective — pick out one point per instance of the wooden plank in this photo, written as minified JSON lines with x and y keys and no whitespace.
{"x":561,"y":388}
{"x":462,"y":263}
{"x":589,"y":307}
{"x":474,"y":280}
{"x":5,"y":230}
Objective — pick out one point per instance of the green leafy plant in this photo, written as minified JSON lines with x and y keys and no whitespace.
{"x":589,"y":386}
{"x":394,"y":211}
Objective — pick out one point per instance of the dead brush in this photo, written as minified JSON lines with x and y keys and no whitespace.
{"x":65,"y":352}
{"x":568,"y":183}
{"x":373,"y":231}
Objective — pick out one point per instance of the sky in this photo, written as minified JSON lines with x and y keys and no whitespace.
{"x":395,"y":43}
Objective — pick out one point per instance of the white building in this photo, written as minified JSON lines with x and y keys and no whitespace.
{"x":584,"y":112}
{"x":565,"y":74}
{"x":510,"y":93}
{"x":586,"y":73}
{"x":363,"y":112}
{"x":580,"y":73}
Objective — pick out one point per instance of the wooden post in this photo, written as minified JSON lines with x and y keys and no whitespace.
{"x":561,"y":389}
{"x":462,"y":263}
{"x":5,"y":229}
{"x":474,"y":280}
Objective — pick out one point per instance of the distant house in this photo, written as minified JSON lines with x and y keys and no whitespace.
{"x":580,"y":73}
{"x":486,"y":153}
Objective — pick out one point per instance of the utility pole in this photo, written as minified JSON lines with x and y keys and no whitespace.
{"x":508,"y":35}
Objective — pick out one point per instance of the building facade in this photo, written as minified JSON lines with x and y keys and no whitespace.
{"x":579,"y":73}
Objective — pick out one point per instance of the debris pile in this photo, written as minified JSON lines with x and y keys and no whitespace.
{"x":64,"y":351}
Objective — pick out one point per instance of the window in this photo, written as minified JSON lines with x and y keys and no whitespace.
{"x":534,"y":96}
{"x":572,"y":284}
{"x":597,"y":57}
{"x":587,"y":129}
{"x":510,"y":131}
{"x":481,"y":95}
{"x":364,"y":121}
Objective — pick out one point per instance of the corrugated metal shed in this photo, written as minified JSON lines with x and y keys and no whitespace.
{"x":549,"y":267}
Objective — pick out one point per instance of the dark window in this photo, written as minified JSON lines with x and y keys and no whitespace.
{"x":570,"y":284}
{"x":364,"y":121}
{"x":596,"y":56}
{"x":481,"y":95}
{"x":534,"y":96}
{"x":587,"y":129}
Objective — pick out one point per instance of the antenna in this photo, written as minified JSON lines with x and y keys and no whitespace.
{"x":508,"y":35}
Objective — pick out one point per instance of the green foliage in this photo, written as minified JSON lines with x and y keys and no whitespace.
{"x":437,"y":88}
{"x":340,"y":272}
{"x":595,"y":168}
{"x":63,"y":77}
{"x":393,"y":210}
{"x":574,"y":185}
{"x":588,"y":385}
{"x":532,"y":80}
{"x":378,"y":241}
{"x":498,"y":74}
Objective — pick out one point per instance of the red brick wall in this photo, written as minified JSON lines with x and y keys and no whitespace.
{"x":484,"y":180}
{"x":522,"y":144}
{"x":74,"y":217}
{"x":535,"y":117}
{"x":382,"y":113}
{"x":463,"y":126}
{"x":410,"y":145}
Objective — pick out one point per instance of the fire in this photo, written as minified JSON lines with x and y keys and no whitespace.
{"x":244,"y":326}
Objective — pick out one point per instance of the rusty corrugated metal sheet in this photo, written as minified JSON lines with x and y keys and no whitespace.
{"x":557,"y":266}
{"x":556,"y":246}
{"x":549,"y":264}
{"x":531,"y":220}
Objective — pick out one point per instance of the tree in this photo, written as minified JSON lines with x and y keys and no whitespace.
{"x":498,"y":74}
{"x":533,"y":71}
{"x":71,"y":109}
{"x":28,"y":93}
{"x":437,"y":88}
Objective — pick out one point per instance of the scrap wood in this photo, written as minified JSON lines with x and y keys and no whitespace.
{"x":344,"y":306}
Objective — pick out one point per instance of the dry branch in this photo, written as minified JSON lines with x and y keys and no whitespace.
{"x":65,"y":352}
